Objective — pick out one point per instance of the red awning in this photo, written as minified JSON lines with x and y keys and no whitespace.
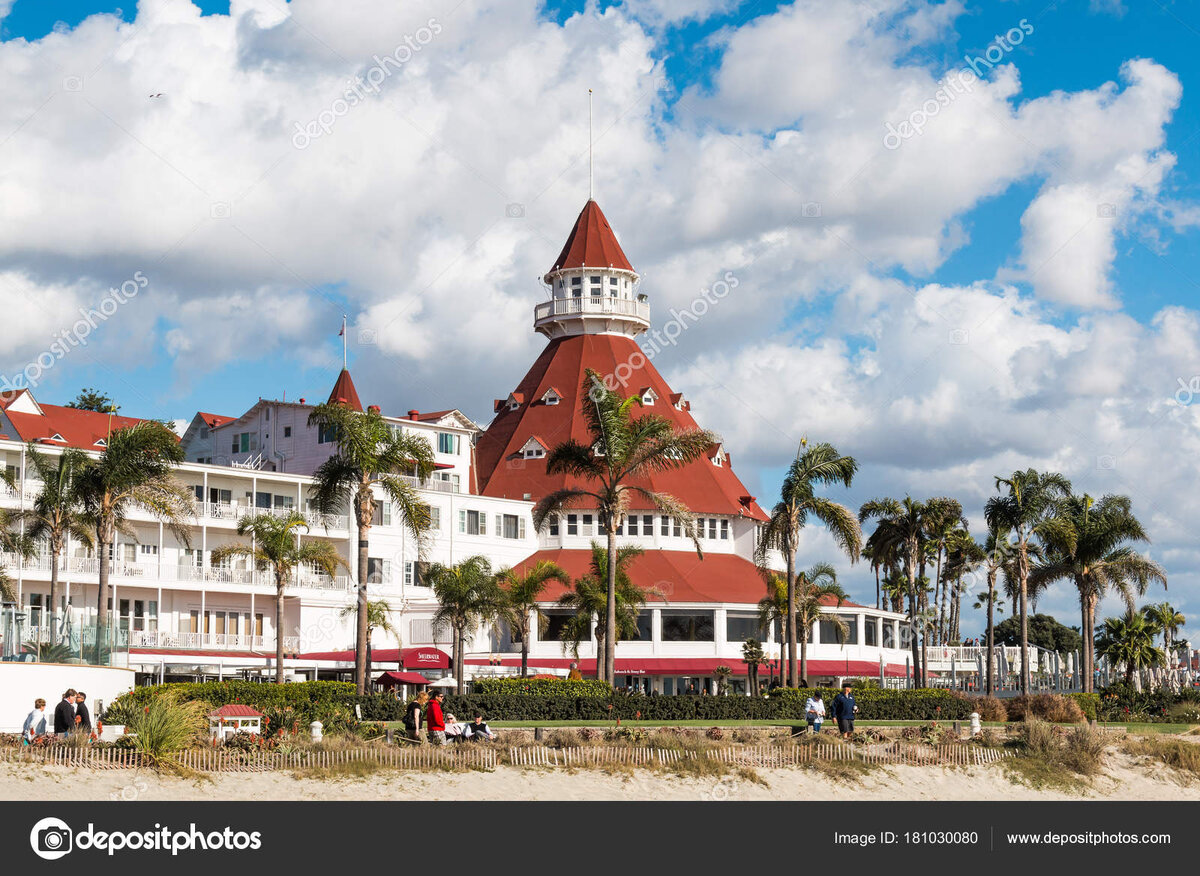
{"x":391,"y":679}
{"x":700,"y":666}
{"x":408,"y":658}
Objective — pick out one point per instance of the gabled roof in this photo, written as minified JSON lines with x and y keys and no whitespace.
{"x":703,"y":487}
{"x":344,"y":391}
{"x":214,"y":420}
{"x":235,"y":710}
{"x":592,"y":243}
{"x":62,"y":426}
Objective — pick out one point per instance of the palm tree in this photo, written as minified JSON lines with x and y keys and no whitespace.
{"x":136,"y":470}
{"x":1028,"y":506}
{"x":11,"y":540}
{"x":624,"y":451}
{"x":813,"y":588}
{"x":522,"y":592}
{"x":753,"y":656}
{"x":1098,"y":558}
{"x":589,"y":599}
{"x":379,"y":617}
{"x":903,"y":525}
{"x":1130,"y":640}
{"x":722,"y":674}
{"x":817,"y":466}
{"x":57,"y":512}
{"x":1168,"y":619}
{"x":943,"y":516}
{"x":997,"y":551}
{"x":468,"y":596}
{"x":370,"y":453}
{"x":963,"y":556}
{"x":276,"y":547}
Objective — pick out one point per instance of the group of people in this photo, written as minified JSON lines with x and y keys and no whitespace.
{"x":427,"y":713}
{"x":844,"y":710}
{"x":71,"y":715}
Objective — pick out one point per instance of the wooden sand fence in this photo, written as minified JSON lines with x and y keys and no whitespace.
{"x":217,"y":760}
{"x":882,"y":754}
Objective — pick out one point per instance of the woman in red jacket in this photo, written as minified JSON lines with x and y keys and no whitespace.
{"x":435,"y":720}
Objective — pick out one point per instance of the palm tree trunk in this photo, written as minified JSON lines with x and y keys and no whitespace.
{"x":610,"y":626}
{"x":991,"y":632}
{"x":525,"y":648}
{"x":1023,"y":574}
{"x":459,"y":636}
{"x":1084,"y":675}
{"x":877,"y":593}
{"x":54,"y":553}
{"x":910,"y":572}
{"x":1090,"y":641}
{"x":793,"y":669}
{"x":360,"y":635}
{"x":280,"y":582}
{"x":803,"y":658}
{"x":940,"y":588}
{"x":102,"y":546}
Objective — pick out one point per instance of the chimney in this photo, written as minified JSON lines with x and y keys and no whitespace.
{"x":301,"y":401}
{"x":412,"y":415}
{"x":374,"y":409}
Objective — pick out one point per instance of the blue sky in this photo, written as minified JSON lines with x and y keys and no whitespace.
{"x":396,"y":218}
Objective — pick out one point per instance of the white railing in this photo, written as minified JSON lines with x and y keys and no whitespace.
{"x":233,"y":513}
{"x":592,"y":305}
{"x":221,"y":641}
{"x":963,"y":654}
{"x":435,"y":484}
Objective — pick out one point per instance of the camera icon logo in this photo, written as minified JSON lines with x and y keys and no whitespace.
{"x":367,"y":336}
{"x":73,"y":83}
{"x":220,"y":210}
{"x":51,"y":838}
{"x":959,"y":336}
{"x":1105,"y":462}
{"x":515,"y":211}
{"x":810,"y":210}
{"x":1106,"y":211}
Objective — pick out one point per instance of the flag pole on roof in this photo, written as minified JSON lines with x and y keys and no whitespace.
{"x":342,"y":335}
{"x":590,"y":145}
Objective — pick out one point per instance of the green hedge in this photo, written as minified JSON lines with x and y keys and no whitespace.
{"x":1089,"y":702}
{"x":288,"y":706}
{"x":1120,"y":702}
{"x":875,"y":704}
{"x":588,"y":687}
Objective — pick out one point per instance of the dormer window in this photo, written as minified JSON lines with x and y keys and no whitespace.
{"x":57,"y":437}
{"x":515,"y":400}
{"x":534,"y":448}
{"x":101,"y":443}
{"x":551,"y":396}
{"x":649,"y":396}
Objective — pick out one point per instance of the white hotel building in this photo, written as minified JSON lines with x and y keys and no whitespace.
{"x":188,"y":617}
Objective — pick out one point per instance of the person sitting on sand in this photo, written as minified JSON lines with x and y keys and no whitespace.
{"x":478,"y":730}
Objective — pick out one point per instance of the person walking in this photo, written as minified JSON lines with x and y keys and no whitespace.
{"x":814,"y":712}
{"x":435,"y":720}
{"x":413,"y":716}
{"x":64,"y":714}
{"x":83,"y":717}
{"x":844,"y":709}
{"x":35,"y":723}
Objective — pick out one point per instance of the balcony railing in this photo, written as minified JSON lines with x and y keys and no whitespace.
{"x":598,"y":305}
{"x":234,"y":513}
{"x":219,"y":641}
{"x":435,"y":484}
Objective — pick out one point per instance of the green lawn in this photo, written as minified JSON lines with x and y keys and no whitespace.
{"x":1131,"y":727}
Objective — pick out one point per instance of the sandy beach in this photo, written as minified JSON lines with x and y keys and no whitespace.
{"x":1123,"y":780}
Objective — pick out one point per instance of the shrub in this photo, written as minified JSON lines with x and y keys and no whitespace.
{"x":330,"y":702}
{"x":1089,"y":704}
{"x":1184,"y":713}
{"x":715,"y":733}
{"x":1083,"y":750}
{"x":1054,"y":708}
{"x":167,"y":725}
{"x":883,"y":705}
{"x":989,"y":708}
{"x":588,"y":687}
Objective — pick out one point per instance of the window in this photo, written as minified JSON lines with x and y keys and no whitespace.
{"x":700,"y":529}
{"x":262,"y":500}
{"x":665,"y":526}
{"x":287,"y":431}
{"x":587,"y":525}
{"x":245,"y":442}
{"x":327,"y":435}
{"x":633,"y":525}
{"x":447,"y":442}
{"x":378,"y":571}
{"x":712,"y":527}
{"x":742,"y":625}
{"x":889,"y":634}
{"x":830,"y":635}
{"x":645,"y":626}
{"x":204,"y":431}
{"x":383,"y":514}
{"x":687,"y":626}
{"x":148,"y":552}
{"x":510,"y":526}
{"x":267,"y":414}
{"x":533,"y":450}
{"x":871,"y":631}
{"x":678,"y":528}
{"x":647,"y":524}
{"x":472,"y":522}
{"x":435,"y":518}
{"x":725,"y":530}
{"x":285,"y":503}
{"x":572,"y":524}
{"x":556,"y":622}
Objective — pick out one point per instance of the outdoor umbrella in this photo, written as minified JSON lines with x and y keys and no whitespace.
{"x":448,"y":681}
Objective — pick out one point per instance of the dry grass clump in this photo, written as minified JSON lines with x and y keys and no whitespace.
{"x":990,"y":708}
{"x":1054,"y":708}
{"x":1053,"y":757}
{"x":1184,"y":757}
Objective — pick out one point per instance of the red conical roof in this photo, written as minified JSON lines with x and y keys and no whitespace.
{"x":345,"y":392}
{"x":592,"y":243}
{"x":503,"y":472}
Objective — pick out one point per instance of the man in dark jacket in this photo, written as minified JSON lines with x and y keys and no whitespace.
{"x":844,"y":708}
{"x":64,"y":714}
{"x":83,"y":717}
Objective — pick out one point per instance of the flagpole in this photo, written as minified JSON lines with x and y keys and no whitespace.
{"x":345,"y":361}
{"x":590,"y":193}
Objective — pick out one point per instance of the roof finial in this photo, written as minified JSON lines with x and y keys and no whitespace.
{"x":590,"y":145}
